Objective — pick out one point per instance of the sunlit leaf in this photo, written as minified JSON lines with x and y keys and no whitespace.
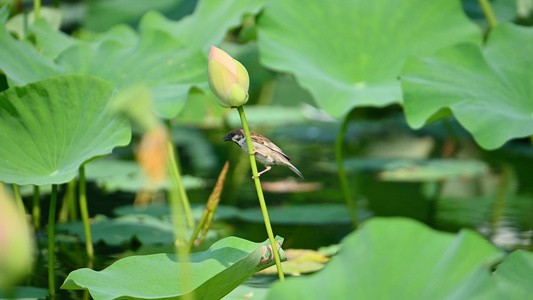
{"x":19,"y":23}
{"x":513,"y":275}
{"x":400,"y":259}
{"x":207,"y":25}
{"x":301,"y":214}
{"x":102,"y":14}
{"x":213,"y":273}
{"x":51,"y":127}
{"x":248,"y":292}
{"x":157,"y":60}
{"x":50,"y":40}
{"x":163,"y":211}
{"x":300,"y":261}
{"x":350,"y":54}
{"x":24,"y":293}
{"x":489,"y":91}
{"x":145,"y":229}
{"x":120,"y":175}
{"x":21,"y":62}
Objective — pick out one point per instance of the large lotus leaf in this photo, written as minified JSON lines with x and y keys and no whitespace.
{"x":102,"y":14}
{"x":414,"y":170}
{"x":20,"y":61}
{"x":504,"y":10}
{"x":18,"y":24}
{"x":127,"y":176}
{"x":350,"y":54}
{"x":315,"y":214}
{"x":489,"y":91}
{"x":247,"y":292}
{"x":51,"y":127}
{"x":211,"y":274}
{"x":145,"y":229}
{"x":51,"y":42}
{"x":163,"y":211}
{"x":269,"y":116}
{"x":24,"y":293}
{"x":208,"y":24}
{"x":399,"y":258}
{"x":514,"y":274}
{"x":158,"y":61}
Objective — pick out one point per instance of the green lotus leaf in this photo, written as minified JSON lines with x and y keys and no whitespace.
{"x":49,"y":40}
{"x":212,"y":273}
{"x":488,"y":90}
{"x":398,"y":258}
{"x":163,"y":211}
{"x":300,"y":214}
{"x":18,"y":23}
{"x":146,"y":229}
{"x":249,"y":292}
{"x":153,"y":58}
{"x":157,"y":60}
{"x":24,"y":293}
{"x":513,"y":275}
{"x":20,"y":61}
{"x":207,"y":25}
{"x":350,"y":54}
{"x":51,"y":127}
{"x":102,"y":14}
{"x":114,"y":175}
{"x":414,"y":170}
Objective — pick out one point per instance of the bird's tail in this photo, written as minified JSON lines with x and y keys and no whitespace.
{"x":295,"y":170}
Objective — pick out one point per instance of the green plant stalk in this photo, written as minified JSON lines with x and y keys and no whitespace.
{"x":51,"y":241}
{"x":73,"y":207}
{"x":488,"y":12}
{"x":68,"y":209}
{"x":531,"y":239}
{"x":210,"y":208}
{"x":18,"y":199}
{"x":174,"y":156}
{"x":36,"y":207}
{"x":179,"y":226}
{"x":501,"y":195}
{"x":199,"y":227}
{"x":176,"y":205}
{"x":342,"y":172}
{"x":84,"y":210}
{"x":37,"y":8}
{"x":259,"y":190}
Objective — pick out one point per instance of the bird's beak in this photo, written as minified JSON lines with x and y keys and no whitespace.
{"x":226,"y":138}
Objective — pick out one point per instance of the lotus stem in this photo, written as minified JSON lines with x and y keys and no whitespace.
{"x":18,"y":199}
{"x":501,"y":196}
{"x":260,"y":193}
{"x":210,"y":208}
{"x":36,"y":207}
{"x":174,"y":156}
{"x":84,"y":210}
{"x":179,"y":225}
{"x":37,"y":8}
{"x":51,"y":240}
{"x":488,"y":12}
{"x":69,"y":207}
{"x":342,"y":172}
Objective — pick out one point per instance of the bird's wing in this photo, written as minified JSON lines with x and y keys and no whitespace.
{"x":267,"y":143}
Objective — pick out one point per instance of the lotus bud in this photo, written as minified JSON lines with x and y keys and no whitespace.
{"x":16,"y":241}
{"x":228,"y":79}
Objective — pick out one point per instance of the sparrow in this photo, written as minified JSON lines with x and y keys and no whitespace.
{"x":265,"y":151}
